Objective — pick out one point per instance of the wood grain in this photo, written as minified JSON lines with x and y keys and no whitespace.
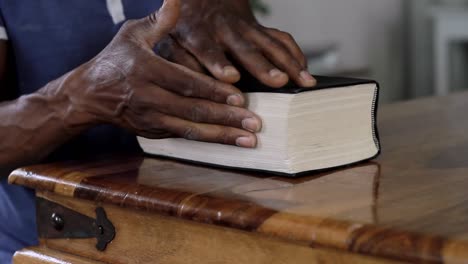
{"x":143,"y":237}
{"x":410,"y":204}
{"x":43,"y":255}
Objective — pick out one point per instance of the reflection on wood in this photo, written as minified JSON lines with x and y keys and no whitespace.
{"x":43,"y":255}
{"x":355,"y":201}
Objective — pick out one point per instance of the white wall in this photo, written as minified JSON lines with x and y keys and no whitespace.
{"x":369,"y":33}
{"x":421,"y":78}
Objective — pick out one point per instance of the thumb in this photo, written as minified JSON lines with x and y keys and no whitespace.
{"x":156,"y":26}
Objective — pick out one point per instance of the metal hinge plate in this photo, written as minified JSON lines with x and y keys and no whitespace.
{"x":56,"y":221}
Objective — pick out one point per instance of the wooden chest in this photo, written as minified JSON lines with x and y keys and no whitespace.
{"x":410,"y":205}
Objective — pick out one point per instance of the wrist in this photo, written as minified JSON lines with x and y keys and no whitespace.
{"x":59,"y":100}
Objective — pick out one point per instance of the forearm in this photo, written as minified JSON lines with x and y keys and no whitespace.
{"x":34,"y":125}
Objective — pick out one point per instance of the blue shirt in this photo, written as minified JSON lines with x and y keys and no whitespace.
{"x":49,"y":38}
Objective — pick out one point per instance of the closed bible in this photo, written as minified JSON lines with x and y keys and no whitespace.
{"x":304,"y":129}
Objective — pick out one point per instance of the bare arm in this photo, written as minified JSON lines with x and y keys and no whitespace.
{"x":129,"y":86}
{"x":31,"y":126}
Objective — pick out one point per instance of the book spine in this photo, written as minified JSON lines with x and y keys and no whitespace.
{"x":374,"y":111}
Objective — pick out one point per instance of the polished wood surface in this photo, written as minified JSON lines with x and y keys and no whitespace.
{"x":144,"y":237}
{"x":410,"y":204}
{"x":44,"y":255}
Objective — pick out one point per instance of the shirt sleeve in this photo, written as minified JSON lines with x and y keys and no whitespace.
{"x":3,"y":32}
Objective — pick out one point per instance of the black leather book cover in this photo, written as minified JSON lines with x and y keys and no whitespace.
{"x":249,"y":84}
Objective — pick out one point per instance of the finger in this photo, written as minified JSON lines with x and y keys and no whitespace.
{"x":288,"y":41}
{"x":156,"y":26}
{"x":208,"y":133}
{"x":170,"y":50}
{"x":159,"y":125}
{"x":203,"y":111}
{"x":253,"y":61}
{"x":213,"y":58}
{"x":146,"y":125}
{"x":281,"y":57}
{"x":216,"y":62}
{"x":186,"y":82}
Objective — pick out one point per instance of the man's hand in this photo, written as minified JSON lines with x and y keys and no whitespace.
{"x":128,"y":85}
{"x":208,"y":30}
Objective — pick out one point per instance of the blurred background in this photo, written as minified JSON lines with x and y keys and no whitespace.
{"x":413,"y":48}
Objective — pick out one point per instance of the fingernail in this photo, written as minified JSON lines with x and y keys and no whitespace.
{"x":251,"y":124}
{"x":235,"y":100}
{"x":230,"y":71}
{"x":246,"y":142}
{"x":276,"y":73}
{"x":307,"y":78}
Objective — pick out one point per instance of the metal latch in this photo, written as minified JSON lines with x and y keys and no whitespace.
{"x":57,"y":221}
